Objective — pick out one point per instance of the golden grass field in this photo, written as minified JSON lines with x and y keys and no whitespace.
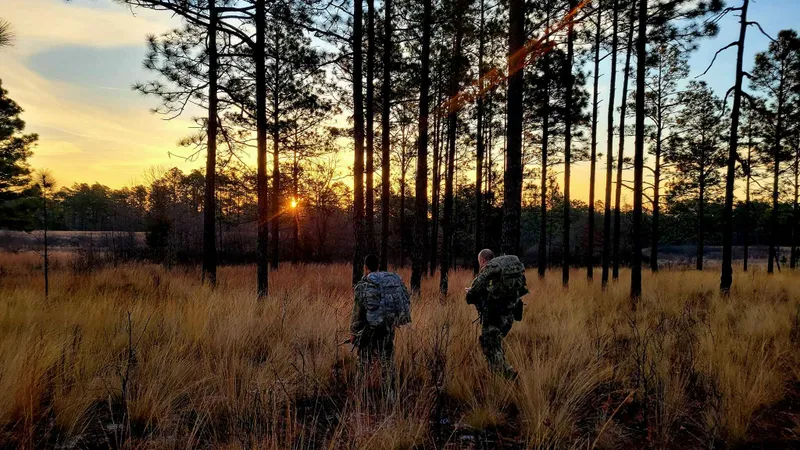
{"x":137,"y":356}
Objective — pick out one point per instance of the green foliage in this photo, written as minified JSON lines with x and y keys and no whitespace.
{"x":6,"y":34}
{"x":16,"y":204}
{"x":698,"y":151}
{"x":776,"y":76}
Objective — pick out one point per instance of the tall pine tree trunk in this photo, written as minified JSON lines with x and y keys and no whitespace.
{"x":638,"y":155}
{"x":727,"y":214}
{"x":568,"y":149}
{"x":403,"y":209}
{"x":437,"y":181}
{"x":621,"y":152}
{"x":358,"y":134}
{"x":795,"y":210}
{"x":701,"y":221}
{"x":542,"y":256}
{"x":776,"y":156}
{"x":369,"y":213}
{"x":452,"y":123}
{"x":512,"y":185}
{"x":295,"y":200}
{"x":610,"y":147}
{"x":262,"y":259}
{"x":46,"y":243}
{"x":656,"y":197}
{"x":480,"y":144}
{"x":386,"y":90}
{"x":276,"y":173}
{"x":209,"y":208}
{"x":421,"y":184}
{"x":593,"y":164}
{"x":747,"y":220}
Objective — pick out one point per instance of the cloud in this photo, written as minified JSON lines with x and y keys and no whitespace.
{"x":45,"y":23}
{"x":69,"y":70}
{"x":109,"y":139}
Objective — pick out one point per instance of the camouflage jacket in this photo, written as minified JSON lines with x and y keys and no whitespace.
{"x":485,"y":289}
{"x":358,"y":319}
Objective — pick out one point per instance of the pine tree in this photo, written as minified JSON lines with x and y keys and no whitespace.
{"x":16,"y":207}
{"x":752,"y":122}
{"x":480,"y":140}
{"x":454,"y":84}
{"x":775,"y":75}
{"x":667,"y":67}
{"x":568,"y":76}
{"x":421,"y":200}
{"x":512,"y":182}
{"x":621,"y":147}
{"x":593,"y":157}
{"x":638,"y":155}
{"x":358,"y":134}
{"x":369,"y":213}
{"x":259,"y":62}
{"x":726,"y":279}
{"x":698,"y":153}
{"x":610,"y":144}
{"x":209,"y":205}
{"x":385,"y":134}
{"x":188,"y":59}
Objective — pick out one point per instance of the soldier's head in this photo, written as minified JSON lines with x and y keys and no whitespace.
{"x":484,"y":257}
{"x":370,"y":264}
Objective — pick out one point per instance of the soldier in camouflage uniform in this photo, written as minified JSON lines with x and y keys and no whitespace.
{"x":372,"y":342}
{"x":497,"y":308}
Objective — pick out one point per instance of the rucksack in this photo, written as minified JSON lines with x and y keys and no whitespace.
{"x":509,"y":283}
{"x":386,"y":299}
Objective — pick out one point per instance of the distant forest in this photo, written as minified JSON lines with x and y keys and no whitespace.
{"x":319,"y":229}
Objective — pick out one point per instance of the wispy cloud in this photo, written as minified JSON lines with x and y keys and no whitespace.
{"x":88,"y":131}
{"x":44,"y":23}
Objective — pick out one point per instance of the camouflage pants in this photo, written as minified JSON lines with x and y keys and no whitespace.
{"x":493,"y":329}
{"x":377,"y":344}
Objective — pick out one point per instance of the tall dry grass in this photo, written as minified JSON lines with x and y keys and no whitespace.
{"x":136,"y":356}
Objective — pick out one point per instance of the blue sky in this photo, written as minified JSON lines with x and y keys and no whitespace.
{"x":773,"y":15}
{"x":73,"y":65}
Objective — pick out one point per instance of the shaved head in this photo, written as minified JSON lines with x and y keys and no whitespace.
{"x":485,"y":256}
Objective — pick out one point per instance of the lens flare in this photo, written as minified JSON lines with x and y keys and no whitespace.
{"x":530,"y":51}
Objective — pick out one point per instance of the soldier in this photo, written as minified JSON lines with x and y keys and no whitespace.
{"x":381,"y":303}
{"x":496,"y":293}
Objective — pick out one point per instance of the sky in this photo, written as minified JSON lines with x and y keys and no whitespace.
{"x":73,"y":65}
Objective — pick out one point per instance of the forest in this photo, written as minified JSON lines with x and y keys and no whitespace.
{"x":410,"y":125}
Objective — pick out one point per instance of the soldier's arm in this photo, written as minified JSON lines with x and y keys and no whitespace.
{"x":479,"y":288}
{"x":358,"y":319}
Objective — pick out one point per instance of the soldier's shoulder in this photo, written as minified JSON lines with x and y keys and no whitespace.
{"x":362,"y":285}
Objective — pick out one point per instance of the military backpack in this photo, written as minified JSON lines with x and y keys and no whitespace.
{"x":507,"y":284}
{"x":386,"y":299}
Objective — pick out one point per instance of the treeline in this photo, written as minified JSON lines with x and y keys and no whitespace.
{"x":169,"y":212}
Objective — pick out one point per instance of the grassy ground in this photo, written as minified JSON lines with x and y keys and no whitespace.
{"x":139,"y":357}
